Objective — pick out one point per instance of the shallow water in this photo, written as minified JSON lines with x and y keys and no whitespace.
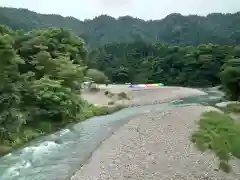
{"x":59,"y":155}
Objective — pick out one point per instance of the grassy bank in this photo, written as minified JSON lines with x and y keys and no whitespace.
{"x":34,"y":130}
{"x":232,"y":108}
{"x":220,"y":134}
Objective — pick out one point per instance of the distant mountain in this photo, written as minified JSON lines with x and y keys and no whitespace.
{"x":174,"y":29}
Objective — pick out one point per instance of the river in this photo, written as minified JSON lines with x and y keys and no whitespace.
{"x":59,"y":155}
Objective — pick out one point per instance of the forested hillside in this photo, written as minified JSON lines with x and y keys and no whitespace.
{"x":174,"y":29}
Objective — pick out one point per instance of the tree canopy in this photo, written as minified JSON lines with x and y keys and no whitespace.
{"x":40,"y":76}
{"x":196,"y":66}
{"x":216,"y":28}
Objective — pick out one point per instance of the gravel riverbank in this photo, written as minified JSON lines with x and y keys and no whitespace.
{"x":155,"y":145}
{"x":139,"y":96}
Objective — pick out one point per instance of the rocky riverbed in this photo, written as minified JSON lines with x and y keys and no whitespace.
{"x":145,"y":142}
{"x":139,"y":96}
{"x":156,"y":145}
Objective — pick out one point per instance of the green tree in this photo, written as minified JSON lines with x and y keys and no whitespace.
{"x":40,"y":76}
{"x":11,"y":84}
{"x":230,"y":76}
{"x":52,"y":101}
{"x":97,"y":76}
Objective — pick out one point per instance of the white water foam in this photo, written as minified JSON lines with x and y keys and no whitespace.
{"x":64,"y":131}
{"x":14,"y":171}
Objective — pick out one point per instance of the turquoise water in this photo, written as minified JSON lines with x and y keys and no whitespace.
{"x":59,"y":155}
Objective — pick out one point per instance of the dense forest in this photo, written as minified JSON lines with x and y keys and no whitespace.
{"x":43,"y":63}
{"x":215,"y":28}
{"x":140,"y":62}
{"x":40,"y":79}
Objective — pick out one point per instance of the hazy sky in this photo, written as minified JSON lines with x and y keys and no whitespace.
{"x":144,"y":9}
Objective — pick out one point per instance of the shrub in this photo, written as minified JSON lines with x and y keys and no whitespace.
{"x":234,"y":107}
{"x":111,"y":103}
{"x":108,"y":94}
{"x":53,"y":101}
{"x":123,"y":95}
{"x":97,"y":76}
{"x":219,"y":133}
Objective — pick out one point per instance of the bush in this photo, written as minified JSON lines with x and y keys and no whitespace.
{"x":108,"y":94}
{"x":230,"y":76}
{"x":111,"y":103}
{"x":91,"y":110}
{"x":53,"y":101}
{"x":219,"y":133}
{"x":234,"y":107}
{"x":97,"y":76}
{"x":123,"y":95}
{"x":109,"y":110}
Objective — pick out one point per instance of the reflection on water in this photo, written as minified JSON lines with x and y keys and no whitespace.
{"x":57,"y":156}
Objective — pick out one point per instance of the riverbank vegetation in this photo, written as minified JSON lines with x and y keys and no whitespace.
{"x":40,"y":76}
{"x":233,"y":107}
{"x":219,"y":133}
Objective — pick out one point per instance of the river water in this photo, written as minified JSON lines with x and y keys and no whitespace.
{"x":59,"y":155}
